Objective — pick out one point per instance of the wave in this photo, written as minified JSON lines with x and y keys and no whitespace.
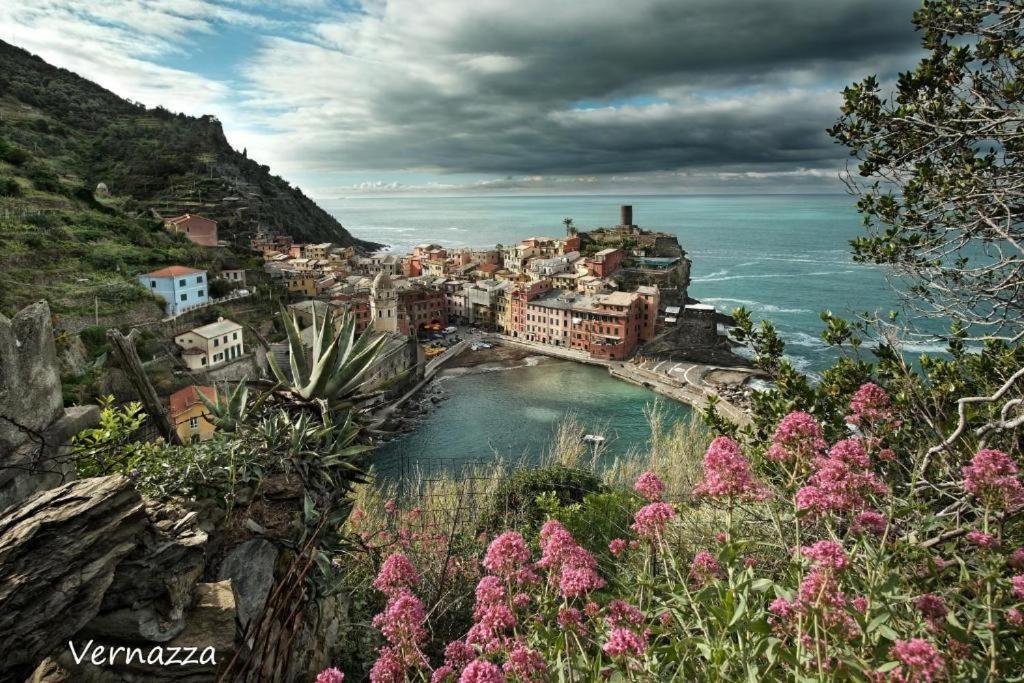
{"x":803,"y":339}
{"x":713,"y":277}
{"x":756,"y":305}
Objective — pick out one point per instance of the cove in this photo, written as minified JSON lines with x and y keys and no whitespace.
{"x":513,"y":414}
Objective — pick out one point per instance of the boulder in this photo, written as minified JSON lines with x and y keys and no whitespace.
{"x":59,"y":552}
{"x":250,"y":568}
{"x":152,"y":587}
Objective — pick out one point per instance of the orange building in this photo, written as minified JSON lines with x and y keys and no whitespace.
{"x":189,"y":413}
{"x":198,"y":229}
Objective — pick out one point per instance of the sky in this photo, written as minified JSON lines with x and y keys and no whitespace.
{"x":496,"y":96}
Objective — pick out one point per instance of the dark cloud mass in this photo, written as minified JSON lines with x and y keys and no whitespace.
{"x":597,"y":87}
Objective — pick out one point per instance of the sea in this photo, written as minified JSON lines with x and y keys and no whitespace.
{"x":786,"y":258}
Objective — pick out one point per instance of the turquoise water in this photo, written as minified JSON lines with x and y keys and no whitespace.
{"x":784,"y":257}
{"x":513,"y":414}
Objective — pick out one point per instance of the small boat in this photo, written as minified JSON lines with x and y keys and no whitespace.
{"x":593,"y":438}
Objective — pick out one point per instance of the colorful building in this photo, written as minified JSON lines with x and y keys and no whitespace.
{"x":180,"y":287}
{"x":198,"y":229}
{"x":189,"y":414}
{"x":210,"y":345}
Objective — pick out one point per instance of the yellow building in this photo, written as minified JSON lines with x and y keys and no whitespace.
{"x":302,"y":283}
{"x":189,"y":414}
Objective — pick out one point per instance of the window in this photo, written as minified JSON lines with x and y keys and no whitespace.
{"x":152,"y":283}
{"x":181,"y":283}
{"x":216,"y":342}
{"x":234,"y":335}
{"x":199,"y":279}
{"x":200,"y":292}
{"x":193,"y":423}
{"x":184,"y":297}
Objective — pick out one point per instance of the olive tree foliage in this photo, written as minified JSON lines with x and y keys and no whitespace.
{"x":940,"y":168}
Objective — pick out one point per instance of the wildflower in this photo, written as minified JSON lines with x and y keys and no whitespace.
{"x":617,"y":546}
{"x":331,"y":675}
{"x":401,"y":622}
{"x":506,"y":554}
{"x":931,"y":606}
{"x":921,"y":660}
{"x":489,"y":591}
{"x":871,"y":522}
{"x":650,"y":520}
{"x":621,"y":612}
{"x":391,"y":506}
{"x":1017,"y":582}
{"x":442,"y":674}
{"x":841,"y":482}
{"x":570,"y":617}
{"x":783,"y":608}
{"x":649,"y":486}
{"x":727,"y":473}
{"x":458,"y":654}
{"x":521,"y":600}
{"x":624,"y":642}
{"x":827,"y":554}
{"x":704,"y":567}
{"x":1015,"y":617}
{"x":665,"y":619}
{"x":525,"y":664}
{"x":869,"y":405}
{"x":992,"y":476}
{"x":388,"y":668}
{"x":1016,"y":559}
{"x":721,"y":538}
{"x":982,"y":540}
{"x":860,"y":604}
{"x":798,"y":437}
{"x":481,"y":671}
{"x":396,"y":573}
{"x":577,"y":581}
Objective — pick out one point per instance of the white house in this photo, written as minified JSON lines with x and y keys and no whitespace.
{"x":210,"y":345}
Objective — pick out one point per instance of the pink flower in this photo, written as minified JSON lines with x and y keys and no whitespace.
{"x":982,"y":540}
{"x":391,"y":506}
{"x":489,"y":591}
{"x":331,"y":675}
{"x":591,"y":609}
{"x":827,"y":554}
{"x":506,"y":554}
{"x":921,"y":660}
{"x":784,"y":608}
{"x":1015,"y":617}
{"x":1017,"y":582}
{"x":1016,"y":559}
{"x":841,"y":482}
{"x":650,"y":520}
{"x":458,"y":654}
{"x":442,"y":674}
{"x":931,"y":606}
{"x":401,"y":622}
{"x":870,"y":404}
{"x":481,"y":671}
{"x":388,"y":668}
{"x":617,"y":546}
{"x":871,"y":522}
{"x":860,"y":604}
{"x":624,"y":642}
{"x":396,"y":573}
{"x":727,"y":473}
{"x":704,"y":567}
{"x":578,"y":581}
{"x":798,"y":437}
{"x":570,"y":617}
{"x":621,"y":613}
{"x":521,"y":600}
{"x":649,"y":486}
{"x":525,"y":664}
{"x":992,"y":476}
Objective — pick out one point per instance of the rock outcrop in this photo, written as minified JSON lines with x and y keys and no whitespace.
{"x":59,"y":553}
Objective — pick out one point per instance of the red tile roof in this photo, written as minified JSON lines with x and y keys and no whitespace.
{"x":487,"y":267}
{"x":174,"y":271}
{"x":183,"y":399}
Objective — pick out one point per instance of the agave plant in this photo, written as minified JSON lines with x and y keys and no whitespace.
{"x":234,"y":410}
{"x":334,"y":369}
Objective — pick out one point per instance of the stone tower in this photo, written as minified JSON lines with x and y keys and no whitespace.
{"x":383,"y":304}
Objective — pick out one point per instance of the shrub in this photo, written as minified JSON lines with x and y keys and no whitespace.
{"x":94,"y":337}
{"x":516,"y":498}
{"x":12,"y":154}
{"x":9,"y":187}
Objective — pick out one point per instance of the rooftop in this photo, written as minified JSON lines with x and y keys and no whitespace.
{"x":174,"y":271}
{"x":617,"y":298}
{"x":183,"y":399}
{"x":222,"y":326}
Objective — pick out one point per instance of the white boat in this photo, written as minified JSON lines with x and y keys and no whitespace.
{"x":593,"y":438}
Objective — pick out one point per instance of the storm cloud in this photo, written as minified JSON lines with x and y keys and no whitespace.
{"x":532,"y":93}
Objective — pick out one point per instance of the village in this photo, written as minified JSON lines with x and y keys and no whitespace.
{"x":614,"y":296}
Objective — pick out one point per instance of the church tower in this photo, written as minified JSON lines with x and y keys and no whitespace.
{"x":383,"y":304}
